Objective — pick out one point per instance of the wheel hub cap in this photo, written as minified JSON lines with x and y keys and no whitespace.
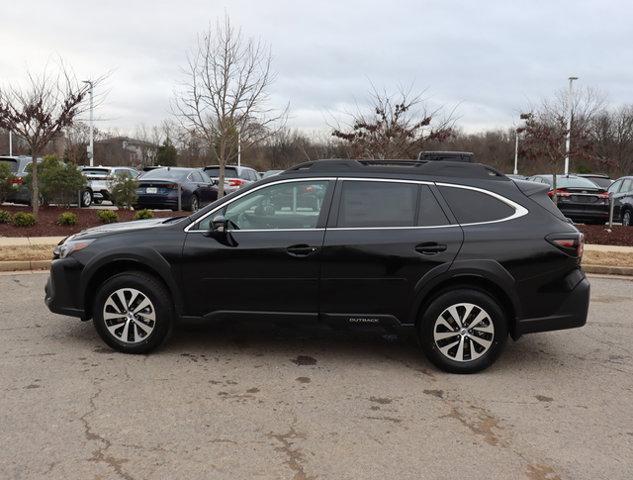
{"x":463,"y":332}
{"x":129,"y":315}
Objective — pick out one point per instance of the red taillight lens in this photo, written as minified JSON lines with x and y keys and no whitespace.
{"x":560,"y":192}
{"x":236,"y":182}
{"x":604,"y":195}
{"x":573,"y":244}
{"x":17,"y":181}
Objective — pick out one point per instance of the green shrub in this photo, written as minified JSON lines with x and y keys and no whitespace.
{"x":58,"y":182}
{"x":67,"y":218}
{"x":123,"y":191}
{"x":5,"y":181}
{"x":5,"y":217}
{"x":24,"y":219}
{"x":143,"y":214}
{"x":107,"y":216}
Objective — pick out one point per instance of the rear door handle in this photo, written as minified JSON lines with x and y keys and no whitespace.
{"x":430,"y":248}
{"x":301,"y":250}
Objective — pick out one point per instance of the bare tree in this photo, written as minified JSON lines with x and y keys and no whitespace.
{"x":225,"y":93}
{"x":40,"y":111}
{"x":398,"y":126}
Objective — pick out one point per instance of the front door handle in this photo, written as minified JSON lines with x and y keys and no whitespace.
{"x":430,"y":248}
{"x":301,"y":250}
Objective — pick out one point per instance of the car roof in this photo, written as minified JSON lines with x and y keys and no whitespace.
{"x":395,"y":167}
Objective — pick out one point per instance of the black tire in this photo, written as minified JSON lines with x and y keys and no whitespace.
{"x":161,"y":305}
{"x":482,"y":302}
{"x":86,"y":198}
{"x":194,"y":203}
{"x":627,"y":218}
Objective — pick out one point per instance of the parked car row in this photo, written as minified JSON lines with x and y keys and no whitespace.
{"x":585,"y":197}
{"x":159,"y":186}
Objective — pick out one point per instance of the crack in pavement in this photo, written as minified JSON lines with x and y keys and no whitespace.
{"x":99,"y":455}
{"x":295,"y":455}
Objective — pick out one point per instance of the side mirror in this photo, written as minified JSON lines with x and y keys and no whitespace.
{"x":219,"y":224}
{"x":215,"y":182}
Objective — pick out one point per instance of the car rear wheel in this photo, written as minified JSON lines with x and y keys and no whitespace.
{"x":194,"y":204}
{"x":463,"y":331}
{"x":133,"y":312}
{"x":626,"y":218}
{"x":86,"y":198}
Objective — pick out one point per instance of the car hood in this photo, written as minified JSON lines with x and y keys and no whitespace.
{"x":120,"y":227}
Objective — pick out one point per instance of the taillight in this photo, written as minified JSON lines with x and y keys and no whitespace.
{"x":236,"y":182}
{"x":17,"y":181}
{"x":560,"y":192}
{"x":603,"y":195}
{"x":172,"y":186}
{"x":572,"y":244}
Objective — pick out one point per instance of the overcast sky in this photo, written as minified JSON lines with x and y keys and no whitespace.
{"x":487,"y":57}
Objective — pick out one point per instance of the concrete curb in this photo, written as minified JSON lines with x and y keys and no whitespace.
{"x":21,"y":265}
{"x":608,"y":270}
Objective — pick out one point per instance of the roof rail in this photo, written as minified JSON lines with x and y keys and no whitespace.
{"x":421,"y":167}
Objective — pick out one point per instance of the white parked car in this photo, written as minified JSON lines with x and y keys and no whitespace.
{"x":99,"y":179}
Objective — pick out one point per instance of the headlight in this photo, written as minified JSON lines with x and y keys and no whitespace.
{"x":71,"y":246}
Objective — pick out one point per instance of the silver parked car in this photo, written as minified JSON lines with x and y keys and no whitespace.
{"x":99,"y":179}
{"x":234,"y":176}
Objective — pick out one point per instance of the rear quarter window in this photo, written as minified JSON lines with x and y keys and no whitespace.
{"x":473,"y":206}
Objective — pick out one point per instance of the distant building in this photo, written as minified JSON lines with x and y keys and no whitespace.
{"x":124,"y":151}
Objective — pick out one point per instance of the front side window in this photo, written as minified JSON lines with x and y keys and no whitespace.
{"x":291,"y":205}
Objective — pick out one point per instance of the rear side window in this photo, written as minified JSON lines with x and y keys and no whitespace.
{"x":377,"y":204}
{"x":429,"y":211}
{"x":472,"y":206}
{"x":627,"y":186}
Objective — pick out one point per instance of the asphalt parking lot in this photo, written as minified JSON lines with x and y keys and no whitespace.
{"x":271,"y":402}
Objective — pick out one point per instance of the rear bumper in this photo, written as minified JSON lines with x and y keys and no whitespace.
{"x":572,"y":313}
{"x":579,"y":213}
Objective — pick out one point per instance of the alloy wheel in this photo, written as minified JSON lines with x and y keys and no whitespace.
{"x":86,"y":198}
{"x":626,"y":219}
{"x":129,"y":315}
{"x":194,"y":204}
{"x":463,"y":332}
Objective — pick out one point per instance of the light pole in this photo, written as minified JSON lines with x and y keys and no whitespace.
{"x":569,"y":115}
{"x":91,"y":147}
{"x":239,"y":148}
{"x":516,"y":151}
{"x":10,"y":143}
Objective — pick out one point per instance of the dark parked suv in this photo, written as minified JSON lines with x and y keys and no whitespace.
{"x":453,"y":251}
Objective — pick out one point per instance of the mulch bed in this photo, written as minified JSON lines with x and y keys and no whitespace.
{"x":46,"y":223}
{"x":602,"y":235}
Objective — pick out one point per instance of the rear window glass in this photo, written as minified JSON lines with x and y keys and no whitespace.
{"x":214,"y":172}
{"x":600,"y":181}
{"x":163,"y":173}
{"x":472,"y":206}
{"x":96,"y":172}
{"x":377,"y":204}
{"x":12,"y":164}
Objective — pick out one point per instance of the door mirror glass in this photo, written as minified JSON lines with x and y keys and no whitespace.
{"x":219,"y":224}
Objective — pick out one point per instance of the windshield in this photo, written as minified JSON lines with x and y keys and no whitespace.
{"x":163,"y":173}
{"x":13,"y":164}
{"x":214,"y":172}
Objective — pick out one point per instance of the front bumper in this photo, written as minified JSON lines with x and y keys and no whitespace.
{"x":61,"y":290}
{"x":572,"y":312}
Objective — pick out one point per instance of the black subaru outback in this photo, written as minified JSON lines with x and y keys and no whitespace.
{"x":454,"y":251}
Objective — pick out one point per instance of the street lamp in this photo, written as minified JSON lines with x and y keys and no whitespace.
{"x":569,"y":115}
{"x":91,"y":147}
{"x":516,"y":151}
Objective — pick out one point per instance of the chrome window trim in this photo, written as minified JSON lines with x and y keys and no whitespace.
{"x":189,"y":228}
{"x":519,"y":210}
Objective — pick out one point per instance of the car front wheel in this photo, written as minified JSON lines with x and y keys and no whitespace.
{"x":86,"y":198}
{"x":463,"y":331}
{"x":133,"y":312}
